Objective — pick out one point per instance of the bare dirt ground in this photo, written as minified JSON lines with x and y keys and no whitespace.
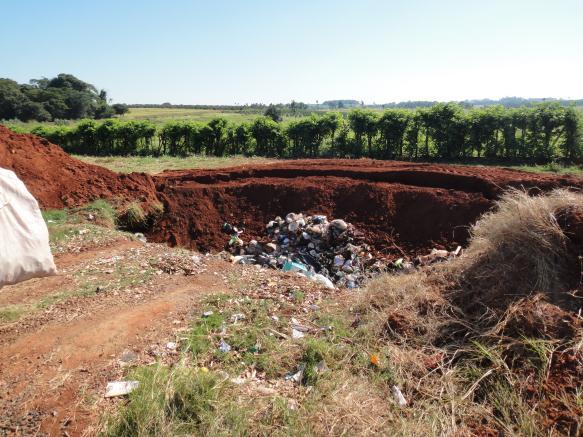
{"x":57,"y":358}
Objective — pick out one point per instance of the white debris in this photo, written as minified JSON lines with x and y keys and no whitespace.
{"x":298,"y":376}
{"x":224,"y":346}
{"x":236,"y":317}
{"x":120,"y":388}
{"x":297,"y":334}
{"x":321,"y":279}
{"x":398,"y":395}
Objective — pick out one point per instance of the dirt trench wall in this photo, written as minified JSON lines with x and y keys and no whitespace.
{"x":390,"y":216}
{"x":400,"y":207}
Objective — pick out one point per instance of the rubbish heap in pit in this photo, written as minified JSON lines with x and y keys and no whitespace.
{"x":330,"y":252}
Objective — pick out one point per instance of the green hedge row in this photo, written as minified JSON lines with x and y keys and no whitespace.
{"x":541,"y":133}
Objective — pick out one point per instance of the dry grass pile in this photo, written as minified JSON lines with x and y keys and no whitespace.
{"x":518,"y":249}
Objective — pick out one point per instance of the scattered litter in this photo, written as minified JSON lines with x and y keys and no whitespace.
{"x":298,"y":330}
{"x":120,"y":388}
{"x":298,"y":376}
{"x":437,"y":255}
{"x":173,"y":263}
{"x":83,"y":231}
{"x":127,"y":357}
{"x":207,"y":313}
{"x":398,"y":395}
{"x":297,"y":334}
{"x":171,"y":346}
{"x":237,"y":317}
{"x":224,"y":346}
{"x":322,"y":280}
{"x":238,"y":380}
{"x":140,"y":237}
{"x":374,"y":360}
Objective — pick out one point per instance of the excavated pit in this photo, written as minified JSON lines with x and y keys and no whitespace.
{"x":401,"y":208}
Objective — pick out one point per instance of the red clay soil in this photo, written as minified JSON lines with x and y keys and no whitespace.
{"x":58,"y":180}
{"x":400,"y":207}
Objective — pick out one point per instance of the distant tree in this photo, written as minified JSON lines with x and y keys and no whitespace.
{"x":359,"y":123}
{"x":546,"y":122}
{"x":412,"y":134}
{"x":120,"y":108}
{"x":269,"y":138}
{"x":62,"y":97}
{"x":274,"y":113}
{"x":242,"y":138}
{"x":364,"y":123}
{"x":218,"y":128}
{"x":571,"y":146}
{"x":10,"y":98}
{"x":28,"y":110}
{"x":392,"y":126}
{"x":331,"y":122}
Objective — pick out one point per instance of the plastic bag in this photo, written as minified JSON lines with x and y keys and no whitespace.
{"x":24,"y":238}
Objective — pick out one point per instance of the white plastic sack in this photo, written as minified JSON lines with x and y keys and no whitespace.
{"x":24,"y":238}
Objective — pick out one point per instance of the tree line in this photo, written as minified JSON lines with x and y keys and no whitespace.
{"x":64,"y":97}
{"x":541,"y":133}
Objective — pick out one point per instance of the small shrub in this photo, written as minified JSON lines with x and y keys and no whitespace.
{"x":133,"y":217}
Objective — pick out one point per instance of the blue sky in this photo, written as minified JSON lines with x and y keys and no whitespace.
{"x":226,"y":52}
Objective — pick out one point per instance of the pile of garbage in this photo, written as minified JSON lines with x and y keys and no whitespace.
{"x":329,"y":252}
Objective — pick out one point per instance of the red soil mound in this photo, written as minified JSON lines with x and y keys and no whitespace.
{"x":58,"y":180}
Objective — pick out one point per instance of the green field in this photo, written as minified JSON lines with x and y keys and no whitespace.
{"x":163,"y":115}
{"x":151,"y":165}
{"x":158,"y":116}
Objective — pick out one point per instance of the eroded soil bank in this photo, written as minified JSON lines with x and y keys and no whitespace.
{"x":399,"y":207}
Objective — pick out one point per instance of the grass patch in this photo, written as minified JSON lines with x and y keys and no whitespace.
{"x":177,"y":401}
{"x":87,"y":290}
{"x":55,"y":216}
{"x":153,"y":165}
{"x":103,"y":212}
{"x":11,"y":313}
{"x":552,"y":167}
{"x":200,"y":339}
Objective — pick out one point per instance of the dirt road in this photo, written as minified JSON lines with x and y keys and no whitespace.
{"x":57,"y":358}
